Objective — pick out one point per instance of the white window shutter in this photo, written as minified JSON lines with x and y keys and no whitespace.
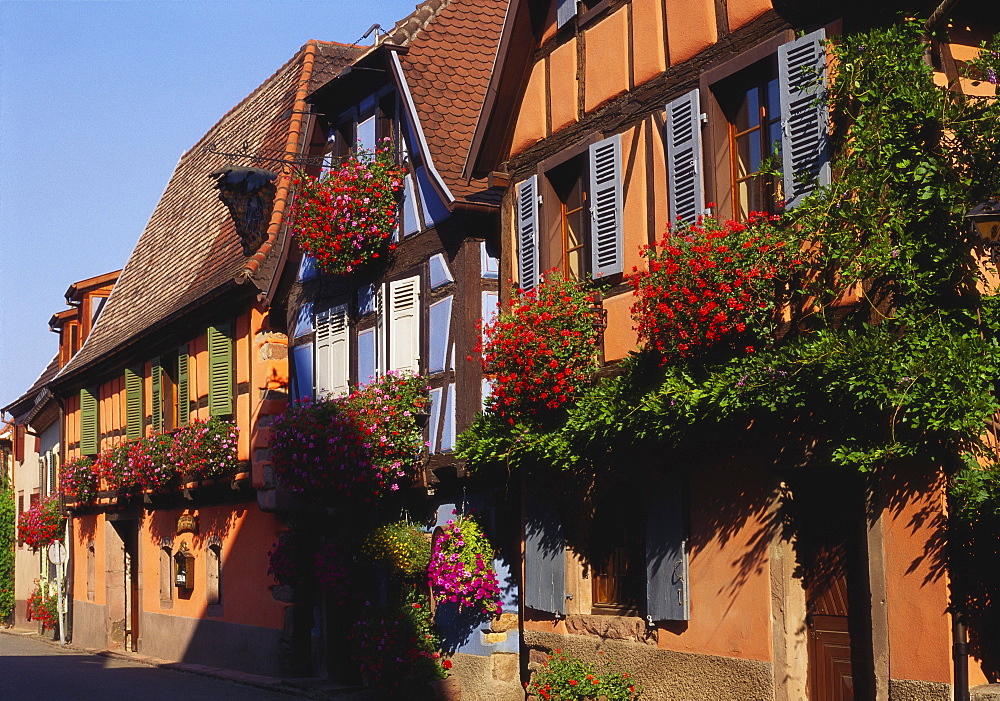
{"x":404,"y":325}
{"x":686,"y":190}
{"x":805,"y":157}
{"x":565,"y":11}
{"x":606,"y":207}
{"x":332,"y":355}
{"x":527,"y":233}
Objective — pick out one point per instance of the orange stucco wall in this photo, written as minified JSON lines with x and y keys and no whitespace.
{"x":85,"y":529}
{"x":619,"y":338}
{"x":745,"y":11}
{"x":917,"y":586}
{"x":729,"y":573}
{"x":690,"y":27}
{"x":246,"y":534}
{"x":563,"y":85}
{"x":606,"y":66}
{"x":649,"y":57}
{"x":530,"y":126}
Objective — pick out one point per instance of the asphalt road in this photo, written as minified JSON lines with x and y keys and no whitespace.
{"x":33,"y":670}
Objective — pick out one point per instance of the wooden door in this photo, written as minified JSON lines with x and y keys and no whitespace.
{"x":830,"y":671}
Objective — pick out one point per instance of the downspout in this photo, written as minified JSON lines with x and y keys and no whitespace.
{"x":65,"y":625}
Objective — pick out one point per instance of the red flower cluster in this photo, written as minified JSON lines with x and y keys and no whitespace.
{"x":42,"y":605}
{"x":346,"y":218}
{"x":707,"y":282}
{"x":541,"y":348}
{"x":41,"y":524}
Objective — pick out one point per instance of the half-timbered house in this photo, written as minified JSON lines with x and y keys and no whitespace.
{"x":610,"y":119}
{"x":175,"y":568}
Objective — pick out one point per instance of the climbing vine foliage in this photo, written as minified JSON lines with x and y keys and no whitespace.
{"x":886,"y":341}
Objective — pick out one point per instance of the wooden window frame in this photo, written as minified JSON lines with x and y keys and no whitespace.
{"x":716,"y":146}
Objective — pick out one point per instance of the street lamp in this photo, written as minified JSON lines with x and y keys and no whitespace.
{"x":985,"y":223}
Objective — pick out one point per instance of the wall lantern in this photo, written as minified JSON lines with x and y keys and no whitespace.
{"x":985,"y":221}
{"x":249,"y":194}
{"x":184,"y":568}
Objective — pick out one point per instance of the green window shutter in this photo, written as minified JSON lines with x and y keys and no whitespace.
{"x":156,"y":373}
{"x":133,"y":403}
{"x":88,"y":421}
{"x":220,"y":369}
{"x":183,"y":387}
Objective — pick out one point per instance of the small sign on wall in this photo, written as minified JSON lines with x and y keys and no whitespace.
{"x":187,"y":523}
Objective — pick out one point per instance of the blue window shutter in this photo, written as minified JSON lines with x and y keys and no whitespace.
{"x":805,"y":147}
{"x":304,"y":322}
{"x":489,"y":264}
{"x":366,"y":300}
{"x":411,"y":222}
{"x":667,"y":591}
{"x":366,"y":357}
{"x":544,"y":557}
{"x":220,"y":369}
{"x":133,"y":403}
{"x":527,"y":233}
{"x":440,"y":274}
{"x":565,"y":11}
{"x":448,"y":416}
{"x":302,"y":361}
{"x":686,"y":191}
{"x":606,"y":207}
{"x":440,"y":334}
{"x":435,"y":422}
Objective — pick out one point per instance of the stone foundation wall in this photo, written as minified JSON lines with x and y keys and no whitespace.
{"x":914,"y":690}
{"x":89,"y":627}
{"x":213,"y":643}
{"x":495,"y":677}
{"x":665,"y":674}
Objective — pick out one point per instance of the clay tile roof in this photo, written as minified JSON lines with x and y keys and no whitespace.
{"x":410,"y":26}
{"x":447,"y":69}
{"x":189,"y":250}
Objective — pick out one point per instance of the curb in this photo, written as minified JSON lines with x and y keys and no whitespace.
{"x":311,"y":688}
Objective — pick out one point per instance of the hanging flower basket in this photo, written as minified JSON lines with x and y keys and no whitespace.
{"x":41,"y":524}
{"x":360,"y":446}
{"x":346,"y":219}
{"x":461,"y":568}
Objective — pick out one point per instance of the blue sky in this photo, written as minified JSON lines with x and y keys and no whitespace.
{"x":98,"y":100}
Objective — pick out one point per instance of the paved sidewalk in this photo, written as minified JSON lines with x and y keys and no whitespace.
{"x":302,"y":688}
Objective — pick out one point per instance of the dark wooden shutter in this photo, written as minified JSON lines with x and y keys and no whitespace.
{"x":666,"y":555}
{"x":527,"y":233}
{"x":686,"y":192}
{"x":804,"y":118}
{"x":544,"y":557}
{"x":133,"y":402}
{"x":183,"y":387}
{"x":156,"y":390}
{"x":606,"y":207}
{"x":88,"y":421}
{"x":220,"y":369}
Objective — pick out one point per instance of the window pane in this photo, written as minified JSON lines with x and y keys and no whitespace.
{"x":366,"y":134}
